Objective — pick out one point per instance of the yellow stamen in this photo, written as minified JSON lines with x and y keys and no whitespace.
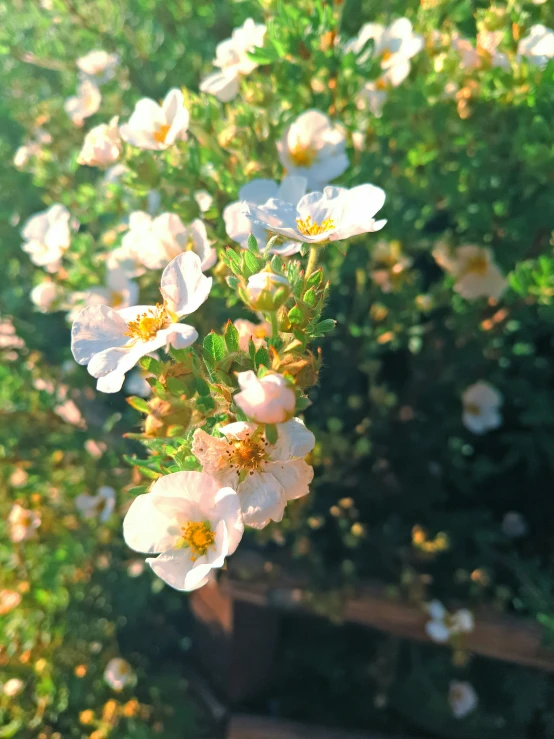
{"x":386,"y":55}
{"x":472,"y":409}
{"x":477,"y":265}
{"x":199,"y":537}
{"x":302,"y":156}
{"x":147,"y":325}
{"x":309,"y":228}
{"x":381,"y":84}
{"x":161,"y":133}
{"x":117,"y":299}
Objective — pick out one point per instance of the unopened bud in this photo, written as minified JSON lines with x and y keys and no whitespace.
{"x":267,"y":291}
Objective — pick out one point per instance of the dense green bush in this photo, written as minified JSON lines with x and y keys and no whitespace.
{"x":430,"y":399}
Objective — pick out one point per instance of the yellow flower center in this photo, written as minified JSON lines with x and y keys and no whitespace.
{"x":116,"y":299}
{"x":309,"y":228}
{"x":147,"y":325}
{"x":381,"y":84}
{"x":472,"y":409}
{"x":477,"y":265}
{"x":386,"y":55}
{"x":161,"y":133}
{"x":199,"y":537}
{"x":260,"y":332}
{"x":302,"y":156}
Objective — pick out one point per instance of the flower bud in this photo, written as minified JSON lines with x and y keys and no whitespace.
{"x":267,"y":291}
{"x":102,"y":145}
{"x":268,"y":399}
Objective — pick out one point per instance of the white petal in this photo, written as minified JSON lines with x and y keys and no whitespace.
{"x":294,"y":476}
{"x":262,"y":499}
{"x":293,"y":440}
{"x":96,"y":328}
{"x":437,"y":631}
{"x":237,"y":225}
{"x":224,"y":85}
{"x":227,"y":508}
{"x":291,"y":190}
{"x":239,"y":430}
{"x":259,"y":191}
{"x":153,"y":522}
{"x":183,"y":284}
{"x":176,"y":568}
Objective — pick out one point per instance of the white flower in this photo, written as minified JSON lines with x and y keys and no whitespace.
{"x":95,"y":448}
{"x":191,"y":520}
{"x":374,"y":93}
{"x":100,"y":506}
{"x":481,"y":407}
{"x":13,"y":687}
{"x":8,"y":337}
{"x":102,"y":145}
{"x":313,"y":148}
{"x":111,"y":342}
{"x":154,"y":126}
{"x":474,"y":270}
{"x":392,"y":44}
{"x":265,"y":400}
{"x":258,"y":332}
{"x":136,"y":384}
{"x":204,"y":200}
{"x":24,"y":153}
{"x":154,"y":242}
{"x":9,"y":599}
{"x":84,"y":104}
{"x":444,"y":625}
{"x":336,"y":213}
{"x":462,"y":698}
{"x":114,"y":174}
{"x":44,"y":295}
{"x":119,"y":673}
{"x":514,"y":524}
{"x":98,"y":65}
{"x":264,"y":475}
{"x":47,"y":236}
{"x":258,"y":192}
{"x":538,"y":46}
{"x":22,"y":523}
{"x":70,"y":413}
{"x":232,"y":58}
{"x":484,"y":53}
{"x":119,"y":292}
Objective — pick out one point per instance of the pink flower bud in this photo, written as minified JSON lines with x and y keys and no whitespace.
{"x":265,"y":400}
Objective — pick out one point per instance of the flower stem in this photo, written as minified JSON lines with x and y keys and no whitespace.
{"x":274,"y":324}
{"x":312,"y":259}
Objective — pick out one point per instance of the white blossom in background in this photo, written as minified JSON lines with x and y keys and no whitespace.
{"x":514,"y":524}
{"x":204,"y":200}
{"x":113,"y":175}
{"x":84,"y":104}
{"x":484,"y":53}
{"x":102,"y":145}
{"x":47,"y":236}
{"x":32,"y":148}
{"x":119,"y":673}
{"x":443,"y":625}
{"x":334,"y":214}
{"x":231,"y":56}
{"x":98,"y":66}
{"x":95,"y":448}
{"x":266,"y":476}
{"x":258,"y":192}
{"x":373,"y":95}
{"x":8,"y":336}
{"x":156,"y":127}
{"x":462,"y":698}
{"x":247,"y":330}
{"x":9,"y":599}
{"x":474,"y":270}
{"x":118,"y":292}
{"x":13,"y":687}
{"x":69,"y":412}
{"x":44,"y":295}
{"x":191,"y":521}
{"x":111,"y":342}
{"x":538,"y":46}
{"x":269,"y":399}
{"x":481,"y":404}
{"x":99,"y":506}
{"x":136,"y":384}
{"x":312,"y":147}
{"x":154,"y":242}
{"x":22,"y":523}
{"x":393,"y":44}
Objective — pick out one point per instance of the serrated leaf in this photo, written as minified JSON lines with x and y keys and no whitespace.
{"x":231,"y":337}
{"x":214,"y":346}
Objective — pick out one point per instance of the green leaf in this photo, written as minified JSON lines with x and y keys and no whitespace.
{"x":323,"y":327}
{"x":295,"y":315}
{"x":139,"y":404}
{"x":252,"y":264}
{"x":231,"y":337}
{"x":149,"y":364}
{"x":202,"y":387}
{"x":262,"y":357}
{"x":271,"y":433}
{"x":310,"y":297}
{"x":253,"y":245}
{"x":214,"y":346}
{"x":176,"y":386}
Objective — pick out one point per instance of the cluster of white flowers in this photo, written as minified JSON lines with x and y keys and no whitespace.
{"x":95,"y":68}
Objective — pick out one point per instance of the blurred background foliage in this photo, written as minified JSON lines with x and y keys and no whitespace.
{"x":392,"y":457}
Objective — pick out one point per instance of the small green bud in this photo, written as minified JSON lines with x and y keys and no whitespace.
{"x":267,"y":291}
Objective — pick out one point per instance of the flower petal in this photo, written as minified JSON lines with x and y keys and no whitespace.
{"x":96,"y":328}
{"x":184,"y":286}
{"x":293,"y":440}
{"x":262,"y":499}
{"x":294,"y":476}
